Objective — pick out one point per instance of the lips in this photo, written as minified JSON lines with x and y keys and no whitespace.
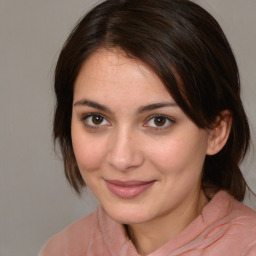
{"x":128,"y":189}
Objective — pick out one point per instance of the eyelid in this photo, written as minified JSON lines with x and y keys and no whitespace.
{"x":168,"y":118}
{"x":86,"y":116}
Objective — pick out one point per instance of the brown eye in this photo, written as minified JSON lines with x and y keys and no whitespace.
{"x":97,"y":120}
{"x":160,"y":121}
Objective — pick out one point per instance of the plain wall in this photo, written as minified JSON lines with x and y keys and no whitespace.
{"x":35,"y":200}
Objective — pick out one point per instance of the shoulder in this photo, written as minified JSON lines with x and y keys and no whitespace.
{"x":239,"y":216}
{"x":242,"y":213}
{"x":235,"y":232}
{"x":226,"y":206}
{"x":73,"y":240}
{"x":241,"y":234}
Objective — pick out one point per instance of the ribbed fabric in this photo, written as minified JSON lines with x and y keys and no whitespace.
{"x":226,"y":227}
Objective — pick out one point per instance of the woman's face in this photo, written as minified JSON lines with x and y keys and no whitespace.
{"x":137,"y":151}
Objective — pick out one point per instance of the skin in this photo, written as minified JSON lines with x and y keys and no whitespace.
{"x":119,"y":138}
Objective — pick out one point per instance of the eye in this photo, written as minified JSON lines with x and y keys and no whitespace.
{"x":159,"y":121}
{"x":95,"y":120}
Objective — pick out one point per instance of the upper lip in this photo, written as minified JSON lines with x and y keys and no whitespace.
{"x":129,"y":183}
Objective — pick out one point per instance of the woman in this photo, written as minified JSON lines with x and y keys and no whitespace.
{"x":149,"y":116}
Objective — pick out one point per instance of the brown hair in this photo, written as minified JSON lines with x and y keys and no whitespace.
{"x":185,"y":46}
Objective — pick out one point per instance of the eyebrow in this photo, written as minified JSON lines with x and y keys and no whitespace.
{"x":93,"y":104}
{"x":156,"y":106}
{"x":140,"y":110}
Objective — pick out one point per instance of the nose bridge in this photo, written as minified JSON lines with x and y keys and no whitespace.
{"x":124,"y":152}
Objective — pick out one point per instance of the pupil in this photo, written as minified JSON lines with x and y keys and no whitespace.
{"x":160,"y":121}
{"x":97,"y":119}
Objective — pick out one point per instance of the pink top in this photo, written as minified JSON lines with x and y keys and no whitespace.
{"x":226,"y":227}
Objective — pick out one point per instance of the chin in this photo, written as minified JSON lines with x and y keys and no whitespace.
{"x":128,"y":215}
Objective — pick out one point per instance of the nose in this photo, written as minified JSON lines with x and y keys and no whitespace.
{"x":124,"y":152}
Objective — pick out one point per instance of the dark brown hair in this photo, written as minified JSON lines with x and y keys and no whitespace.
{"x":187,"y":49}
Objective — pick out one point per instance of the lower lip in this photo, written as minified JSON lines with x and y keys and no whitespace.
{"x":128,"y":191}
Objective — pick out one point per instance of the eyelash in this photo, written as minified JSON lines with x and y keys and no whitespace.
{"x":95,"y":126}
{"x":167,"y":119}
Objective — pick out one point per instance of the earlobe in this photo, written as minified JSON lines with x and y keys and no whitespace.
{"x":219,"y":134}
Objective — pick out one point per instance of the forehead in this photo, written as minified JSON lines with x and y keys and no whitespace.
{"x":113,"y":71}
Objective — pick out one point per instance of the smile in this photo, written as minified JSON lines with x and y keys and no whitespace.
{"x":128,"y":189}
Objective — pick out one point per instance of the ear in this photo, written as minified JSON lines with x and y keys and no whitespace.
{"x":219,"y":134}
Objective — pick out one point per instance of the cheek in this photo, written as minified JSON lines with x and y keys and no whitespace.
{"x":166,"y":153}
{"x":178,"y":157}
{"x":89,"y":152}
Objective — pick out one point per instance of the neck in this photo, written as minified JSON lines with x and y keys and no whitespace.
{"x":151,"y":235}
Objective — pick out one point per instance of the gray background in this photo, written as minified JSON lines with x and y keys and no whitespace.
{"x":35,"y":200}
